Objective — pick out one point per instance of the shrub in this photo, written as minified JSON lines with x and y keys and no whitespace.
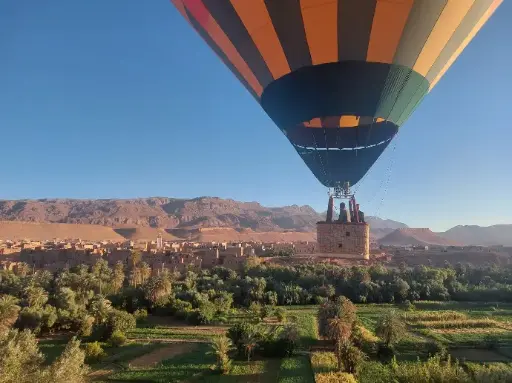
{"x":408,"y":306}
{"x":141,"y":315}
{"x":120,"y":321}
{"x":279,"y":344}
{"x":266,"y":311}
{"x":436,"y":348}
{"x":117,"y":320}
{"x":94,"y":352}
{"x":335,"y":377}
{"x":280,"y":314}
{"x":492,"y":373}
{"x":239,"y":333}
{"x":117,"y":339}
{"x":433,"y":370}
{"x":385,"y":352}
{"x":349,"y":356}
{"x":464,"y":323}
{"x":435,"y":316}
{"x":255,"y":310}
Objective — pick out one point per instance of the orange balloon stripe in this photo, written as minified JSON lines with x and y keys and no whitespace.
{"x":349,"y":121}
{"x":446,"y":25}
{"x":388,"y":24}
{"x":321,"y":26}
{"x":470,"y":36}
{"x":255,"y":17}
{"x":203,"y":17}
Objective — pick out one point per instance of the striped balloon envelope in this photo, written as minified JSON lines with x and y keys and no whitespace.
{"x":338,"y":77}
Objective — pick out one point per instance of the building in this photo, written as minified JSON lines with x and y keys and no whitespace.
{"x":344,"y":240}
{"x":159,"y":242}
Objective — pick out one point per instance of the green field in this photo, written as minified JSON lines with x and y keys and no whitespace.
{"x":478,"y":335}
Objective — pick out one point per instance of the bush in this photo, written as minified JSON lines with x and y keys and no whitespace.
{"x":385,"y":352}
{"x":279,"y":344}
{"x":436,"y":348}
{"x":433,"y":370}
{"x":141,"y":315}
{"x":492,"y":373}
{"x":266,"y":311}
{"x":280,"y":314}
{"x":94,"y":352}
{"x":120,"y":321}
{"x":117,"y":339}
{"x":255,"y":310}
{"x":408,"y":306}
{"x":335,"y":377}
{"x":117,"y":320}
{"x":239,"y":332}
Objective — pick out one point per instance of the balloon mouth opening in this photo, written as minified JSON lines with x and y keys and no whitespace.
{"x":344,"y":149}
{"x":343,"y":121}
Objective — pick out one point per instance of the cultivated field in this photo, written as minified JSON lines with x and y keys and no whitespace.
{"x":478,"y":335}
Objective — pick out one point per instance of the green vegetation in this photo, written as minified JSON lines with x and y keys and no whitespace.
{"x":285,"y":324}
{"x":175,"y":369}
{"x":296,"y":370}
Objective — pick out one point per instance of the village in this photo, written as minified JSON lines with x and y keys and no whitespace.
{"x":57,"y":254}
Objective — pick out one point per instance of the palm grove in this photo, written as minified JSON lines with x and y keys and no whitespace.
{"x":101,"y":303}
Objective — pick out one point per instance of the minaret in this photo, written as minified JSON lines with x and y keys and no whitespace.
{"x":159,"y":242}
{"x":330,"y":208}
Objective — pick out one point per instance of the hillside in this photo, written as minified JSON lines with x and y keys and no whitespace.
{"x":164,"y":213}
{"x":41,"y":231}
{"x":228,"y":234}
{"x":478,"y":235}
{"x":415,"y":237}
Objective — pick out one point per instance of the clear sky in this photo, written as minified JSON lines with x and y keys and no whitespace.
{"x":121,"y":99}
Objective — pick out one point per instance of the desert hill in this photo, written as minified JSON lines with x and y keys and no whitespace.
{"x":41,"y":231}
{"x":415,"y":237}
{"x":478,"y":235}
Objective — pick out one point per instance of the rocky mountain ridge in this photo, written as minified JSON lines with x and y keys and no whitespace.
{"x":172,"y":214}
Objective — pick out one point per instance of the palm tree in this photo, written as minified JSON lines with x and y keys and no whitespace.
{"x":157,"y":288}
{"x":9,"y":311}
{"x":100,"y":307}
{"x":221,"y":347}
{"x":36,"y":296}
{"x":145,"y":271}
{"x":118,"y":277}
{"x":135,"y":277}
{"x":250,"y":342}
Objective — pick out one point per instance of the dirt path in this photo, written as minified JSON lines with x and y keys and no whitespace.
{"x":153,"y":358}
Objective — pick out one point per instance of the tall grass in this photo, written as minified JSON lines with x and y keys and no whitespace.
{"x":454,"y":324}
{"x":434,"y":316}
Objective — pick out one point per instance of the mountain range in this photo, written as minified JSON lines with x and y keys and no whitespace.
{"x":204,"y":217}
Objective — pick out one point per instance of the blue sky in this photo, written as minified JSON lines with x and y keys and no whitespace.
{"x":121,"y":99}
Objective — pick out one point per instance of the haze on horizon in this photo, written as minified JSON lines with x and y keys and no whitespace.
{"x":118,"y":99}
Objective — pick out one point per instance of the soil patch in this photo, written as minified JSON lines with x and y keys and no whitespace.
{"x":163,"y":353}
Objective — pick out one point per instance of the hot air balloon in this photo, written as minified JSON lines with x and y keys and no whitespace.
{"x":338,"y":77}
